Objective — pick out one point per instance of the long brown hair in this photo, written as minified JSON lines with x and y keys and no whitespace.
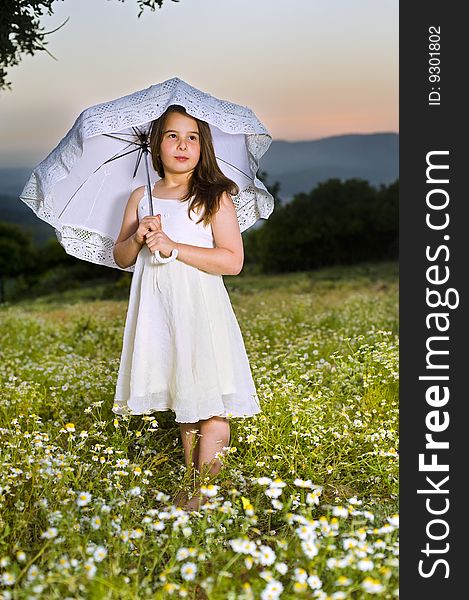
{"x":207,"y":182}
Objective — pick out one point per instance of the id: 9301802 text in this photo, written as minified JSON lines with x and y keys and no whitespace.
{"x":434,"y":69}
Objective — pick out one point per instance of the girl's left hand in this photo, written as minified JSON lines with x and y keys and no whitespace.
{"x":156,"y":238}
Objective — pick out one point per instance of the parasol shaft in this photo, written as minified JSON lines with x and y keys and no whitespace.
{"x":145,"y":151}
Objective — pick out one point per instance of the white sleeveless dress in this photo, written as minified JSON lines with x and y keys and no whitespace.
{"x":182,"y":346}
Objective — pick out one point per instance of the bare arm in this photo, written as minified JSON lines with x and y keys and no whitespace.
{"x":228,"y":255}
{"x":129,"y":243}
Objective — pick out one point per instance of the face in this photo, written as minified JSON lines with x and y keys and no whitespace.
{"x":180,"y":144}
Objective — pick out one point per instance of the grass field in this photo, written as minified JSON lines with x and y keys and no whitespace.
{"x":306,"y":503}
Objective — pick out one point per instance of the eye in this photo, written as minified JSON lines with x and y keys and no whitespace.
{"x":193,"y":138}
{"x":171,"y":134}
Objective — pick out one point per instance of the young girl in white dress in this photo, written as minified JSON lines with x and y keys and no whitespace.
{"x":182,"y":347}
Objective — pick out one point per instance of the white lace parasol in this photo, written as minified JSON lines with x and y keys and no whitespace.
{"x":81,"y":188}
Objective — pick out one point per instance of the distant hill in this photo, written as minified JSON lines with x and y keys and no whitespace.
{"x":297,"y":166}
{"x":12,"y":181}
{"x":300,"y":166}
{"x":13,"y":210}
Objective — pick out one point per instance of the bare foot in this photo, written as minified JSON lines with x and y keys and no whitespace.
{"x":180,"y":499}
{"x":195,"y":502}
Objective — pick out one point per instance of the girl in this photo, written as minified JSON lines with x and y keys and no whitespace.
{"x":182,"y":345}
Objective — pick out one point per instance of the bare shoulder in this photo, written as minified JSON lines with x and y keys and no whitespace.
{"x":226,"y":209}
{"x":225,"y":226}
{"x":136,"y":195}
{"x":226,"y":230}
{"x":226,"y":200}
{"x":130,"y":216}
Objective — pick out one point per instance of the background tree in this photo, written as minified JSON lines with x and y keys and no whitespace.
{"x":251,"y":241}
{"x":16,"y":253}
{"x":274,"y":188}
{"x":336,"y":223}
{"x":21,"y":31}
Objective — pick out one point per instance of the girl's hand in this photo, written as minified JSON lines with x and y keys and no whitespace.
{"x":143,"y":229}
{"x":156,"y":238}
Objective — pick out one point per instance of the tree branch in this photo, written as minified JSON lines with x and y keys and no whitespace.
{"x":21,"y":32}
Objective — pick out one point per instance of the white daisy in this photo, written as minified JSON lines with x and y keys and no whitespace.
{"x":314,"y":582}
{"x":188,"y":571}
{"x":272,"y":590}
{"x":84,"y":498}
{"x":372,"y":586}
{"x":100,"y":553}
{"x":266,"y":555}
{"x":365,"y":564}
{"x":182,"y":554}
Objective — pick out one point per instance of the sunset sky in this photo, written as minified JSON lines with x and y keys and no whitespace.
{"x":307,"y":68}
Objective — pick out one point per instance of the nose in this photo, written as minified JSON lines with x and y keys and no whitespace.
{"x":182,"y":144}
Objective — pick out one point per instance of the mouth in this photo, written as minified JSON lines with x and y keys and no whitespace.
{"x":181,"y":158}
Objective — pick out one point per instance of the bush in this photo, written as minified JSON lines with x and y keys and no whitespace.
{"x":336,"y":223}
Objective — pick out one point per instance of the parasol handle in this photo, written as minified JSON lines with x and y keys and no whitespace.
{"x":150,"y":197}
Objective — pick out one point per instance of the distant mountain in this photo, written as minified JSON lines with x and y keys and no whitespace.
{"x":297,"y":166}
{"x":14,"y":210}
{"x":300,"y":166}
{"x":12,"y":181}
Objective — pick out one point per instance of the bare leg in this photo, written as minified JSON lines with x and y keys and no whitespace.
{"x":190,"y":443}
{"x":190,"y":438}
{"x":214,"y":435}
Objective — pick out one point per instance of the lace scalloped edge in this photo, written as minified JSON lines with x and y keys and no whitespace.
{"x":111,"y":117}
{"x":137,"y":108}
{"x":227,"y":415}
{"x":97,"y":248}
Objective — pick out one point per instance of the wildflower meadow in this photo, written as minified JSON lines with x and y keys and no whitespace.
{"x":306,"y":503}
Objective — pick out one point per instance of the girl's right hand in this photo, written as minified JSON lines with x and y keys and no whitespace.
{"x":143,"y":228}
